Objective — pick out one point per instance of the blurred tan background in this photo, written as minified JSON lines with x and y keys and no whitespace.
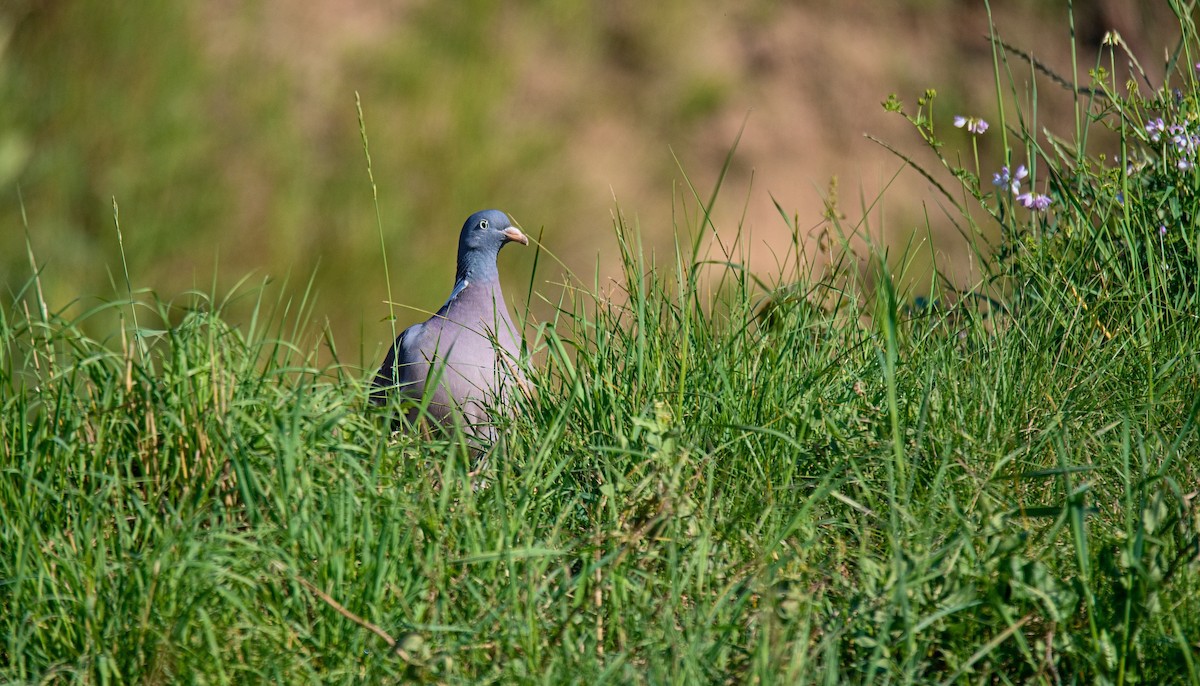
{"x":227,"y":131}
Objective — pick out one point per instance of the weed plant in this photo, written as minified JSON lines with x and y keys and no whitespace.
{"x":722,"y":479}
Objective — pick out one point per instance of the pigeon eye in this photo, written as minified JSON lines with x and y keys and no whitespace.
{"x":483,"y":223}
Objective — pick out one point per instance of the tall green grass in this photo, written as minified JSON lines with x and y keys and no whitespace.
{"x":722,"y":477}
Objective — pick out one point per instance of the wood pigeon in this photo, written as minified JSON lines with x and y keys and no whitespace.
{"x":468,"y":350}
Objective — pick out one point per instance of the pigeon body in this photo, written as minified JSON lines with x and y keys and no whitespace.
{"x":464,"y":356}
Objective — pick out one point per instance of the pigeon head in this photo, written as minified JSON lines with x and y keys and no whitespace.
{"x":482,"y":236}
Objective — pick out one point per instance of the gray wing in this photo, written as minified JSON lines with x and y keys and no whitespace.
{"x":398,"y":366}
{"x":418,"y":354}
{"x":469,"y":350}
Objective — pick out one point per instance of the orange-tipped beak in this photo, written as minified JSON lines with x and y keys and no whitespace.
{"x":514,"y":234}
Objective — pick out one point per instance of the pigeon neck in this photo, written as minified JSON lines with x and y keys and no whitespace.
{"x":479,"y":279}
{"x":476,"y":268}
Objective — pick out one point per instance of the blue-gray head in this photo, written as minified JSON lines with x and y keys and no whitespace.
{"x":482,"y":236}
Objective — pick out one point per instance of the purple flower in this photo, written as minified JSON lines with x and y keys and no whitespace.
{"x":1162,"y":230}
{"x":1180,"y":138}
{"x":1155,"y":128}
{"x":1013,"y":181}
{"x":972,"y":124}
{"x":1034,"y":201}
{"x":1183,"y":164}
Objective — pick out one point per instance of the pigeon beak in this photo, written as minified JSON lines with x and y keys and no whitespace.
{"x":514,"y":234}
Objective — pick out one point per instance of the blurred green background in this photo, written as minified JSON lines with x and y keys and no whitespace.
{"x":227,"y":131}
